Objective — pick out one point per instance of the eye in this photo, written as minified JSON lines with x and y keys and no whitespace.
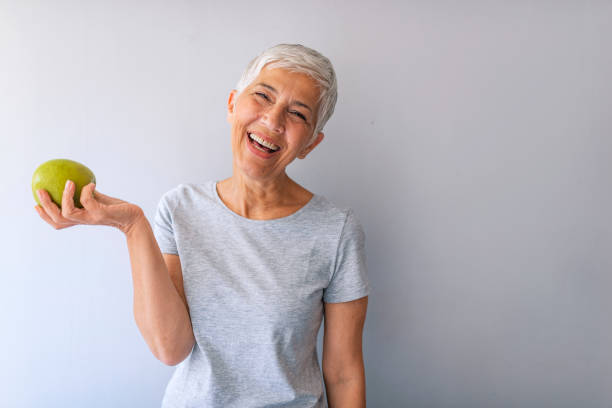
{"x":262,"y":95}
{"x":299,"y":115}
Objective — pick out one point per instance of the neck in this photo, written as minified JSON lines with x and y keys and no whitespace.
{"x":260,"y":199}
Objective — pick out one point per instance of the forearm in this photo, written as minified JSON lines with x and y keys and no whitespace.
{"x":160,"y":313}
{"x":347,"y":391}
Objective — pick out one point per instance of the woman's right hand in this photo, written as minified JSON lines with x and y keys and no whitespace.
{"x":98,"y":209}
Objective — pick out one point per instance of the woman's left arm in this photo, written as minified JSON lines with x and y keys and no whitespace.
{"x":343,"y":370}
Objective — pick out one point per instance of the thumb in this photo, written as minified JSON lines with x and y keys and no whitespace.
{"x":87,"y":198}
{"x":104,"y":199}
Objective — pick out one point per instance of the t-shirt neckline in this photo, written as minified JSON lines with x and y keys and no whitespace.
{"x":272,"y":220}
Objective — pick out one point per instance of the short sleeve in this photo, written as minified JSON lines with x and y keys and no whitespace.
{"x":349,"y":280}
{"x":163,"y":227}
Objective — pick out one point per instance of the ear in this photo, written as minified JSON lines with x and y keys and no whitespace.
{"x":231,"y":102}
{"x":311,"y":147}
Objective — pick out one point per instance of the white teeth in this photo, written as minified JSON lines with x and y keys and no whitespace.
{"x":263,"y":142}
{"x":261,"y":149}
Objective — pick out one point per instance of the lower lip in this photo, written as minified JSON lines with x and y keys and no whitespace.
{"x":263,"y":155}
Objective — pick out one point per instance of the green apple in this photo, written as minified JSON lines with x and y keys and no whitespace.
{"x":52,"y":176}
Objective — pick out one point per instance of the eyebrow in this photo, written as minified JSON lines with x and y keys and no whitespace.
{"x":270,"y":87}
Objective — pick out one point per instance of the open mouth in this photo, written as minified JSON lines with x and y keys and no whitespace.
{"x":261,"y":144}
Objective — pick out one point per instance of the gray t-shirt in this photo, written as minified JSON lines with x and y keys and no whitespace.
{"x":255,"y":291}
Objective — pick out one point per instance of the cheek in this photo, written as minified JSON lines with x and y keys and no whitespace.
{"x":246,"y":112}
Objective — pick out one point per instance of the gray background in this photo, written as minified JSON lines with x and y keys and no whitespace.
{"x":473,"y":140}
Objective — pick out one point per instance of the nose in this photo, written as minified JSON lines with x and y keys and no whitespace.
{"x":273,"y":119}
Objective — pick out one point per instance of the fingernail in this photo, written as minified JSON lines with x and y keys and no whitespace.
{"x":67,"y":186}
{"x":39,"y":193}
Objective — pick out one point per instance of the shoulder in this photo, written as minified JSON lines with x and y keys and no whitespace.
{"x":186,"y":193}
{"x":341,"y":219}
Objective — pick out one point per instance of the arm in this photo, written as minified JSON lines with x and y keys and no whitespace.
{"x":343,"y":369}
{"x":160,"y":308}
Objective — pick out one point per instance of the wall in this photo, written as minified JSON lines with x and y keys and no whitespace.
{"x":471,"y":138}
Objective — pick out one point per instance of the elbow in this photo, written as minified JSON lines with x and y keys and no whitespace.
{"x":176,"y":352}
{"x":171,"y":348}
{"x":343,"y":372}
{"x":173,"y":357}
{"x":170,"y":360}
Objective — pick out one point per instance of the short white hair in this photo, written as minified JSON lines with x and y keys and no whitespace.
{"x":298,"y":58}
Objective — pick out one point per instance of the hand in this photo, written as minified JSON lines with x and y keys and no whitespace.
{"x":98,"y":209}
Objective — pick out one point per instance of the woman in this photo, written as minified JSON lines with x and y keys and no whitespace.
{"x":234,"y":277}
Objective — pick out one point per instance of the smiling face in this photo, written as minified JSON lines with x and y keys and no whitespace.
{"x":272,"y":122}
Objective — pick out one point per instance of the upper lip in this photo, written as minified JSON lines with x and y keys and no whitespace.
{"x":264,"y":137}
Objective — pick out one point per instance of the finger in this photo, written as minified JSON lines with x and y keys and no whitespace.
{"x":68,"y":210}
{"x":88,"y":201}
{"x":41,"y":212}
{"x":51,"y":209}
